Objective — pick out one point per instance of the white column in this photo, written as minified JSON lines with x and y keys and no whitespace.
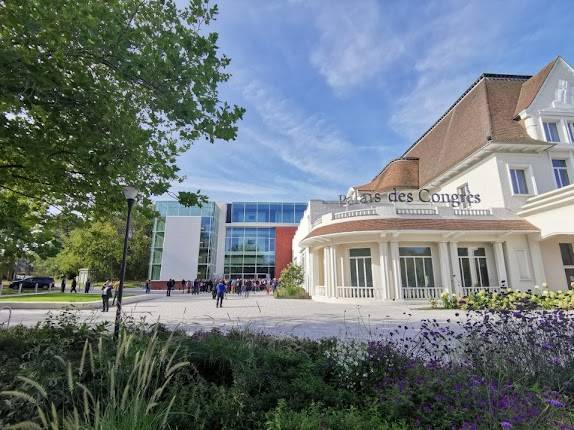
{"x":327,"y":271}
{"x":396,"y":267}
{"x":536,"y":258}
{"x":445,"y":272}
{"x":500,"y":264}
{"x":310,"y":272}
{"x":384,"y":266}
{"x":334,"y":270}
{"x":455,"y":271}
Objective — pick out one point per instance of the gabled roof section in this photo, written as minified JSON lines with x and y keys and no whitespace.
{"x":399,"y":173}
{"x":532,"y":86}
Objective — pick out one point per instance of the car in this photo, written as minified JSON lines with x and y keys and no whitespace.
{"x":31,"y":281}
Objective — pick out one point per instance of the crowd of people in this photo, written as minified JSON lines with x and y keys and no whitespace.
{"x":218,"y":289}
{"x":238,"y":286}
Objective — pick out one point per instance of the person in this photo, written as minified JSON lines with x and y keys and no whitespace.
{"x":147,"y":286}
{"x":63,"y":284}
{"x":220,"y":292}
{"x":87,"y":286}
{"x":182,"y":285}
{"x":188,"y":285}
{"x":169,"y":286}
{"x":115,"y":289}
{"x":74,"y":285}
{"x":106,"y":294}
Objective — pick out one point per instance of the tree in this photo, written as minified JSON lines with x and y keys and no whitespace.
{"x":96,"y":94}
{"x":292,"y":276}
{"x":98,"y":245}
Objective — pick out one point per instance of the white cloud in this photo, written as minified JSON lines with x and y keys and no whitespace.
{"x":306,"y":142}
{"x":451,"y":55}
{"x":354,"y":44}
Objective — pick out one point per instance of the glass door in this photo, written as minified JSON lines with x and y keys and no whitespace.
{"x":361,"y":270}
{"x":473,"y":267}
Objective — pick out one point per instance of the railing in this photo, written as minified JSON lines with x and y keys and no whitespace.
{"x":473,"y":212}
{"x":317,"y":222}
{"x":416,"y":211}
{"x":472,"y":290}
{"x":320,"y":290}
{"x":352,"y":214}
{"x":421,"y":293}
{"x":355,"y":292}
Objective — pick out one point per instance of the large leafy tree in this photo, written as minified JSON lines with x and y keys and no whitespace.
{"x":95,"y":94}
{"x":98,"y":245}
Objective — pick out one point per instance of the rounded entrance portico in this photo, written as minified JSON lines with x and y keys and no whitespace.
{"x":358,"y":255}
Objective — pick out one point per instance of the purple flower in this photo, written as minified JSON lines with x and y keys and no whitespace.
{"x":555,"y":403}
{"x":506,"y":425}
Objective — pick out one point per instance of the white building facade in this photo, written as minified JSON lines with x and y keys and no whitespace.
{"x":482,"y":201}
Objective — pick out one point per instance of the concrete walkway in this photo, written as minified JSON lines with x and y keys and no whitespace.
{"x":260,"y":312}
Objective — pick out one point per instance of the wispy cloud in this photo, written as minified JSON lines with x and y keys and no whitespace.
{"x":354,"y":43}
{"x":306,"y":142}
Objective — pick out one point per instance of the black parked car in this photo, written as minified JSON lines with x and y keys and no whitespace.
{"x":31,"y":281}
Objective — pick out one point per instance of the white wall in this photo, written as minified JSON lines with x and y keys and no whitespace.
{"x":180,"y":247}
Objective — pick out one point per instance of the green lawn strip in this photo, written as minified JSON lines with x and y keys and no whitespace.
{"x":52,"y":297}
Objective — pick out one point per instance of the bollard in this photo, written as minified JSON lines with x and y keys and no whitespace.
{"x":20,"y":288}
{"x":36,"y":288}
{"x":1,"y":287}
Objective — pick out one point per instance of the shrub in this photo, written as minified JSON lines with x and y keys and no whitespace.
{"x":510,"y":300}
{"x":291,"y":284}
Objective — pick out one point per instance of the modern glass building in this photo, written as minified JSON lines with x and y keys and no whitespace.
{"x":239,"y":239}
{"x":205,"y":241}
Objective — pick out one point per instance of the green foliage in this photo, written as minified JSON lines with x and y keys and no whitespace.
{"x":317,"y":416}
{"x":96,"y":94}
{"x":511,"y":300}
{"x":98,"y":245}
{"x":291,"y":285}
{"x":292,"y":276}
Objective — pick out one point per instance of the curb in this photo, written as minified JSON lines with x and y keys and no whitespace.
{"x":97,"y":304}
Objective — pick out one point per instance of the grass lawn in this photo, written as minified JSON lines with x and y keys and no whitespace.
{"x":52,"y":297}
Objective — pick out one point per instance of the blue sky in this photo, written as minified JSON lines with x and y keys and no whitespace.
{"x":336,"y":89}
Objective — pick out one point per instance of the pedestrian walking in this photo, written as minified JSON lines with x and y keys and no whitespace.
{"x":169,"y":285}
{"x":87,"y":286}
{"x":115,"y":289}
{"x":74,"y":285}
{"x":188,"y":285}
{"x":182,"y":285}
{"x":220,"y":293}
{"x":147,"y":286}
{"x":63,"y":284}
{"x":106,"y":294}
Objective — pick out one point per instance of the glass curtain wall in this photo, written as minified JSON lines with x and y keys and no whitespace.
{"x":280,"y":213}
{"x":250,"y":252}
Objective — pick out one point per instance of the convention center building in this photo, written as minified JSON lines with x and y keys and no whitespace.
{"x":232,"y":240}
{"x":483,"y":200}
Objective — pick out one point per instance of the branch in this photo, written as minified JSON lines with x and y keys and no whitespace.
{"x":10,"y":166}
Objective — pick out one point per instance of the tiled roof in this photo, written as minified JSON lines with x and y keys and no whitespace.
{"x":484,"y":112}
{"x":531,"y":87}
{"x":422,"y":224}
{"x":400,"y":173}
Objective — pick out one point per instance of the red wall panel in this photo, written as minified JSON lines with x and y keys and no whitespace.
{"x":283,"y":248}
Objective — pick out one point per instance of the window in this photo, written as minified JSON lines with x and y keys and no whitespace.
{"x":571,"y":131}
{"x":518,"y":178}
{"x":560,"y":173}
{"x":551,"y":131}
{"x":361,"y":270}
{"x":416,"y":267}
{"x":473,"y":267}
{"x":567,"y":252}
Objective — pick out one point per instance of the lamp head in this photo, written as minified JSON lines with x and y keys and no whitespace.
{"x":130,"y":193}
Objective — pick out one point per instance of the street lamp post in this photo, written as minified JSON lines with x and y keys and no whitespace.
{"x":130,"y":194}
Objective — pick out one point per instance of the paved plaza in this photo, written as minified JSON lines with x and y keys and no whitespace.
{"x":260,"y":312}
